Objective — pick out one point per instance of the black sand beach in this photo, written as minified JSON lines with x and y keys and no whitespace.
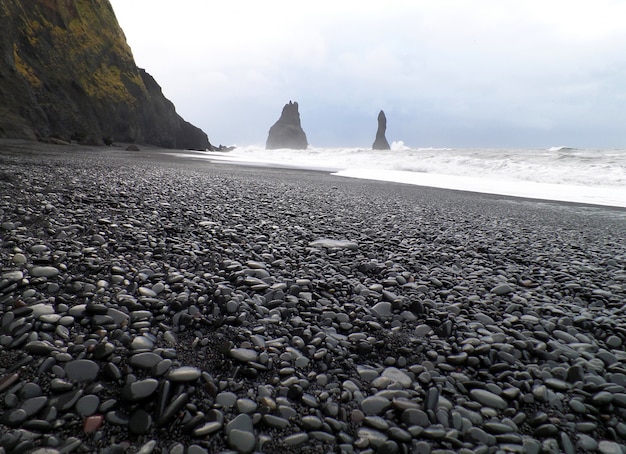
{"x":155,"y":304}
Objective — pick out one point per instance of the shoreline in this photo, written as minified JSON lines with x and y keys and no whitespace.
{"x":561,"y":193}
{"x":148,"y":302}
{"x":151,"y":152}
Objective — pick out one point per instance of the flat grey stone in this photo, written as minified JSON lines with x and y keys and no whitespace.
{"x":488,"y":399}
{"x":334,"y":244}
{"x":245,"y":355}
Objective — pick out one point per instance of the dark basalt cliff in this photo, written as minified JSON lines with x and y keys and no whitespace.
{"x":287,"y":132}
{"x":66,"y":72}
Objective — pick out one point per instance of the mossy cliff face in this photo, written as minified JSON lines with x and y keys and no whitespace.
{"x":66,"y":71}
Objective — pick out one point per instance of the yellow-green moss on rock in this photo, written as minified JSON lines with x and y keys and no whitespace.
{"x":67,"y":70}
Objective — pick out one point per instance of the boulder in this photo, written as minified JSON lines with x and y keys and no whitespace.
{"x":287,"y":132}
{"x":67,"y":72}
{"x":381,"y":141}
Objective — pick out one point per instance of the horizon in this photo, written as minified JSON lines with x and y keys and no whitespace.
{"x":447,"y":74}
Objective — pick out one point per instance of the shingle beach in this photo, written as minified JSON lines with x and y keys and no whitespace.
{"x":150,"y":303}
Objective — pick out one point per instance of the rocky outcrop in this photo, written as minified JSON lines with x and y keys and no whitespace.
{"x":66,"y":72}
{"x":287,"y":132}
{"x":380,"y":143}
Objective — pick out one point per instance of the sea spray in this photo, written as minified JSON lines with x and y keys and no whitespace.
{"x":596,"y":176}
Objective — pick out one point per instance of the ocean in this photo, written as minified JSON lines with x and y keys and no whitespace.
{"x":590,"y":176}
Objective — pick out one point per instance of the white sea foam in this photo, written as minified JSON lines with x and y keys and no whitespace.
{"x":558,"y":173}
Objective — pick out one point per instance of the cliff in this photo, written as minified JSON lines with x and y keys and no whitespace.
{"x":67,"y":72}
{"x":287,"y":132}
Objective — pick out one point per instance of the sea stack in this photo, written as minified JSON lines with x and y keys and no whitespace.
{"x":381,"y":141}
{"x":68,"y":74}
{"x":287,"y":132}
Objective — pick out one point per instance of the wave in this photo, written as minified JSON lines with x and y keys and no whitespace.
{"x":550,"y":171}
{"x":562,"y":149}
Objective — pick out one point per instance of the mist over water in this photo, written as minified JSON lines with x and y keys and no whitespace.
{"x":595,"y":176}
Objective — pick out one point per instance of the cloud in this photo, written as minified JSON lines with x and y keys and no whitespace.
{"x":442,"y":70}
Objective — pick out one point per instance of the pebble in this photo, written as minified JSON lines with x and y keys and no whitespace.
{"x":44,"y":271}
{"x":184,"y":374}
{"x":139,"y":390}
{"x":82,"y":370}
{"x":375,"y":405}
{"x":243,"y":354}
{"x":488,"y":399}
{"x":502,"y":289}
{"x":276,"y":314}
{"x":334,"y":244}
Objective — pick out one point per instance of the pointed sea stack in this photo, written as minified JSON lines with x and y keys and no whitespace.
{"x":381,"y":141}
{"x":287,"y":131}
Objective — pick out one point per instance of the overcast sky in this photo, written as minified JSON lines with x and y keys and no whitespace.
{"x":485,"y":73}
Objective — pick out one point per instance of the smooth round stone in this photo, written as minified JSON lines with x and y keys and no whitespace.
{"x":240,"y":422}
{"x":334,"y":244}
{"x":161,"y":368}
{"x":602,"y":398}
{"x":207,"y":428}
{"x":42,"y":309}
{"x":415,"y":417}
{"x":609,"y":447}
{"x":488,"y":399}
{"x":33,"y":405}
{"x":139,"y":390}
{"x":141,"y":343}
{"x":243,"y":354}
{"x":246,"y":406}
{"x":296,"y":439}
{"x":103,"y":350}
{"x":546,"y":430}
{"x":587,"y":443}
{"x":376,"y":422}
{"x":226,"y":399}
{"x":39,"y":348}
{"x":434,"y":432}
{"x":87,"y":405}
{"x":382,"y":309}
{"x":145,"y":360}
{"x":618,"y":378}
{"x":502,"y":289}
{"x":423,"y":330}
{"x":375,"y":437}
{"x":98,"y":240}
{"x":480,"y":436}
{"x":15,"y":418}
{"x":58,"y":385}
{"x":140,"y":422}
{"x":375,"y":405}
{"x":275,"y":421}
{"x":44,"y":271}
{"x":397,"y":376}
{"x":148,"y":448}
{"x":13,"y":276}
{"x":184,"y":374}
{"x":497,"y":428}
{"x":50,"y":318}
{"x":457,"y":358}
{"x":82,"y":370}
{"x":19,"y":259}
{"x":145,"y":291}
{"x":92,"y":423}
{"x":310,"y":423}
{"x":577,"y":406}
{"x":559,"y":385}
{"x":241,"y":440}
